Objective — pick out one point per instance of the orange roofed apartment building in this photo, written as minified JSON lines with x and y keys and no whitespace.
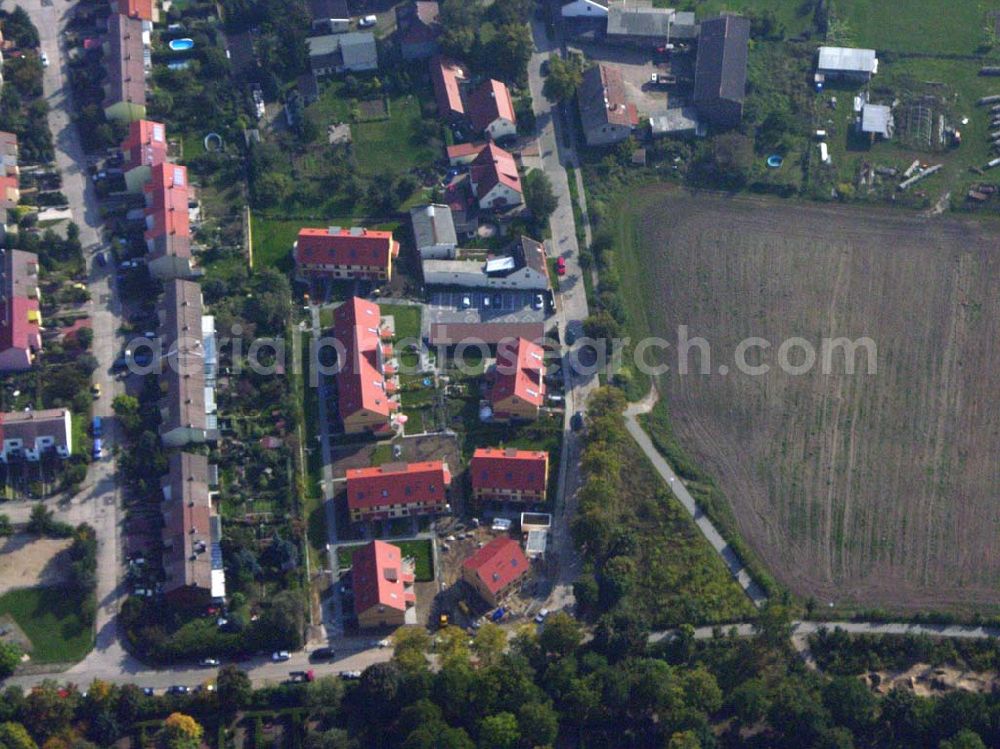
{"x":518,"y":381}
{"x":351,"y":254}
{"x":397,"y":490}
{"x":383,"y":586}
{"x":496,"y":569}
{"x":500,"y":475}
{"x":365,"y":382}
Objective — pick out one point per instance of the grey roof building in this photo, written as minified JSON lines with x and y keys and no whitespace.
{"x":876,"y":119}
{"x":846,"y":62}
{"x":337,"y":53}
{"x":720,"y":77}
{"x":434,"y":231}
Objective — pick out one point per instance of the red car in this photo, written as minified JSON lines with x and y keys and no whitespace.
{"x":561,"y":266}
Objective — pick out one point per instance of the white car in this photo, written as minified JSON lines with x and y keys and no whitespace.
{"x":280,"y":655}
{"x":368,"y":21}
{"x":541,"y":616}
{"x":45,"y":60}
{"x":210,"y":662}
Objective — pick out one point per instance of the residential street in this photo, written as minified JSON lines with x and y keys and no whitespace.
{"x":98,"y":501}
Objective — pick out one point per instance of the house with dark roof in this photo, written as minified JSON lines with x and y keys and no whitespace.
{"x":495,"y":180}
{"x":168,"y":227}
{"x":447,"y":78}
{"x":396,"y":490}
{"x":522,"y":266}
{"x":720,"y":76}
{"x":433,"y":231}
{"x":192,"y":533}
{"x":28,"y":435}
{"x":508,"y":475}
{"x":365,"y":377}
{"x":188,"y":367}
{"x":382,"y":581}
{"x":345,"y":253}
{"x":144,"y":147}
{"x":418,"y":29}
{"x":637,"y":22}
{"x":491,"y":110}
{"x":330,"y":16}
{"x":495,"y":570}
{"x":126,"y":61}
{"x":332,"y":54}
{"x":518,"y":391}
{"x":605,"y":112}
{"x":20,"y":314}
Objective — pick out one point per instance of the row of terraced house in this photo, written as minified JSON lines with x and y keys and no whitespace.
{"x":191,"y":534}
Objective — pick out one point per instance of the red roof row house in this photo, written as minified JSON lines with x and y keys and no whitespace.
{"x":144,"y":147}
{"x":507,"y":475}
{"x":495,"y":180}
{"x":364,"y":394}
{"x":518,"y":381}
{"x":338,"y":253}
{"x":397,"y":490}
{"x":496,"y":569}
{"x":383,"y":586}
{"x":20,"y":316}
{"x":168,"y":227}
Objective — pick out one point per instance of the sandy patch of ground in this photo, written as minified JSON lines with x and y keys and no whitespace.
{"x":27,"y":561}
{"x":926,"y":681}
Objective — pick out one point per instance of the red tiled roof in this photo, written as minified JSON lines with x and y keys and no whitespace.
{"x":378,"y":577}
{"x":464,"y":149}
{"x":490,"y":102}
{"x":397,"y":484}
{"x":345,"y":247}
{"x":145,"y":145}
{"x":9,"y":189}
{"x":519,"y":372}
{"x":494,"y":166}
{"x":137,"y":8}
{"x":446,"y":75}
{"x":498,"y":563}
{"x":20,"y":300}
{"x":167,"y":192}
{"x":517,"y":470}
{"x":360,"y":378}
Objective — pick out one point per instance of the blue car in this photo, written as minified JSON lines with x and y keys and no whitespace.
{"x":98,"y":449}
{"x":96,"y":427}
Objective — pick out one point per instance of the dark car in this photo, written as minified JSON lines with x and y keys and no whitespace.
{"x":497,"y":300}
{"x":178,"y":689}
{"x":148,"y":691}
{"x":101,"y":259}
{"x":322,"y":654}
{"x":576,"y":423}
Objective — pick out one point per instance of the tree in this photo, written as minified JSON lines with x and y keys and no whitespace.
{"x":14,"y":735}
{"x":180,"y":731}
{"x":126,"y":408}
{"x":749,"y":702}
{"x":335,"y":738}
{"x":489,"y":643}
{"x":409,"y":646}
{"x":538,"y":195}
{"x":561,"y":635}
{"x":964,"y":739}
{"x":565,"y":77}
{"x":684,"y":740}
{"x":325,"y":692}
{"x":851,"y":704}
{"x":234,"y":689}
{"x":538,"y":723}
{"x":499,"y":731}
{"x":727,"y":162}
{"x":10,"y":656}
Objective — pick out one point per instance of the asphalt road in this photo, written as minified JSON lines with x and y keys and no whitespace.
{"x":802,"y":629}
{"x":98,"y":501}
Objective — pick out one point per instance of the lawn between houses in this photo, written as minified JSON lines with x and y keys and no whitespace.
{"x":419,"y":549}
{"x":50,"y":618}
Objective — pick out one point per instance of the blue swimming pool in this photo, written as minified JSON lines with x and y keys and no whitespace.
{"x":179,"y":45}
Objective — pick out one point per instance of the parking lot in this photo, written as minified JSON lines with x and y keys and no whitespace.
{"x":506,"y":306}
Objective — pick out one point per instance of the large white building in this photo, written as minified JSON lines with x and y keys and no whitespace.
{"x":523,"y":267}
{"x":846,"y":62}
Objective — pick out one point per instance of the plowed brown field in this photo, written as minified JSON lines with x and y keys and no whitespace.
{"x":873,"y":490}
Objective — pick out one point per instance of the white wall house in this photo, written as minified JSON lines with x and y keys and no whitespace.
{"x":585,"y":9}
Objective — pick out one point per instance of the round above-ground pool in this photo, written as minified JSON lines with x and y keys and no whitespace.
{"x":180,"y":45}
{"x":774,"y":161}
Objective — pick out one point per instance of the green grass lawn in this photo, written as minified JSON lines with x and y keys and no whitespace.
{"x":394,"y":145}
{"x":407,"y":318}
{"x":81,"y":440}
{"x":50,"y":617}
{"x":419,"y":550}
{"x":273,"y":236}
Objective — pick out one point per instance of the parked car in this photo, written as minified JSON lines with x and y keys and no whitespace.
{"x":178,"y":689}
{"x":576,"y":423}
{"x":466,"y":302}
{"x":209,"y":663}
{"x":148,"y":691}
{"x":96,"y":428}
{"x":95,"y":390}
{"x":45,"y":60}
{"x":280,"y":655}
{"x":541,"y":616}
{"x":368,"y":21}
{"x":322,"y":654}
{"x":98,"y":449}
{"x":101,"y":259}
{"x":561,"y":266}
{"x":539,"y":301}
